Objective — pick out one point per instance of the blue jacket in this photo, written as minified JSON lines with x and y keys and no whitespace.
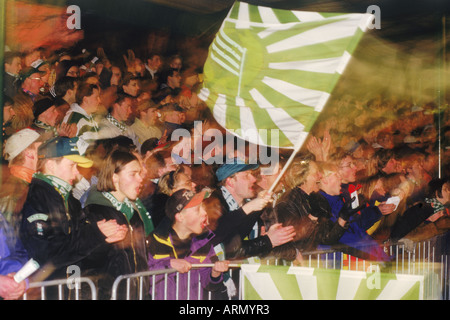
{"x":163,"y":248}
{"x":12,"y":253}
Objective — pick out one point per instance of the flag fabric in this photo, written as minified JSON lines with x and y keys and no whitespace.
{"x":273,"y":69}
{"x":263,"y":282}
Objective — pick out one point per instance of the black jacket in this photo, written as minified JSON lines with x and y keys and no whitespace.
{"x":53,"y":234}
{"x":233,"y":228}
{"x":128,"y":256}
{"x":293,"y":210}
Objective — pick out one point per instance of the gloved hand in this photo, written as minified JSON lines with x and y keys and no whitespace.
{"x":347,"y":211}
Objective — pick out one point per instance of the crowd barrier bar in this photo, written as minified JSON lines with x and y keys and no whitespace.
{"x":60,"y":285}
{"x":152,"y":275}
{"x":419,"y":258}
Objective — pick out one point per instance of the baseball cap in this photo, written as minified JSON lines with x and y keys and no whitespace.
{"x":64,"y":147}
{"x":184,"y":199}
{"x":229,"y":168}
{"x":18,"y":142}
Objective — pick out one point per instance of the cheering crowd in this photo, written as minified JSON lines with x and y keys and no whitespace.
{"x":90,"y":178}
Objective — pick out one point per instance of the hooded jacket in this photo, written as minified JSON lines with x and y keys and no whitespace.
{"x":165,"y":245}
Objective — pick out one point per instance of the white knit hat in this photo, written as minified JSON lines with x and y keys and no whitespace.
{"x":18,"y":142}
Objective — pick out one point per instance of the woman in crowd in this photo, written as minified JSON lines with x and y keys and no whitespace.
{"x":297,"y":208}
{"x":116,"y":197}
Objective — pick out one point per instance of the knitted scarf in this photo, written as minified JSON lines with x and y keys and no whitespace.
{"x":116,"y":123}
{"x":45,"y":126}
{"x":127,"y":207}
{"x":437,"y":206}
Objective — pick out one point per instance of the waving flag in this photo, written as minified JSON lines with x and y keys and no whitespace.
{"x":271,"y":69}
{"x":299,"y":283}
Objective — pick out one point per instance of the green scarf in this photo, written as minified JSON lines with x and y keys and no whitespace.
{"x":45,"y":126}
{"x":127,"y":207}
{"x":63,"y":187}
{"x":437,"y":206}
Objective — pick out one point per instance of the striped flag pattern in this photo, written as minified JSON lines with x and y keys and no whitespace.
{"x":272,"y":69}
{"x":262,"y":282}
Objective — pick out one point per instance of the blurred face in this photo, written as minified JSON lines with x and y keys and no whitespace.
{"x":184,"y":182}
{"x":65,"y":169}
{"x":132,"y":88}
{"x":243,"y":185}
{"x":123,"y":110}
{"x":175,"y":80}
{"x":128,"y":182}
{"x":73,"y":72}
{"x":70,"y":94}
{"x":32,"y":153}
{"x":415,"y":170}
{"x":139,"y":65}
{"x":50,"y":116}
{"x":311,"y":183}
{"x":116,"y":76}
{"x":45,"y":76}
{"x":150,"y":116}
{"x":176,"y":64}
{"x":173,"y":117}
{"x":8,"y":113}
{"x":155,"y":63}
{"x":34,"y":83}
{"x":194,"y":219}
{"x":392,"y":166}
{"x":169,"y":166}
{"x":445,"y":193}
{"x":331,"y":183}
{"x":347,"y":170}
{"x":15,"y":67}
{"x":92,"y":102}
{"x":191,"y":81}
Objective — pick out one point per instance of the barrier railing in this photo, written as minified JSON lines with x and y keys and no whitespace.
{"x":61,"y":292}
{"x":152,"y":276}
{"x":428,"y":258}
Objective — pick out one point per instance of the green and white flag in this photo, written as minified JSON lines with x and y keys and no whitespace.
{"x":272,"y":69}
{"x":260,"y":282}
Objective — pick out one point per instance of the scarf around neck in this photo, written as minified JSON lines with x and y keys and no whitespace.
{"x":63,"y":187}
{"x":45,"y":126}
{"x":232,"y":203}
{"x":116,"y":123}
{"x":21,"y":172}
{"x":127,"y":207}
{"x":437,"y":206}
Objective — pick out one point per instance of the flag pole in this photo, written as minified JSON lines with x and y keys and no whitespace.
{"x":288,"y":163}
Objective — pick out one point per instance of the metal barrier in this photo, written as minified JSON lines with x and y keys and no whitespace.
{"x":60,"y":285}
{"x":152,"y":276}
{"x":428,"y":258}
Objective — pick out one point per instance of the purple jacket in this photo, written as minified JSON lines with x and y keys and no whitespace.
{"x":164,"y":245}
